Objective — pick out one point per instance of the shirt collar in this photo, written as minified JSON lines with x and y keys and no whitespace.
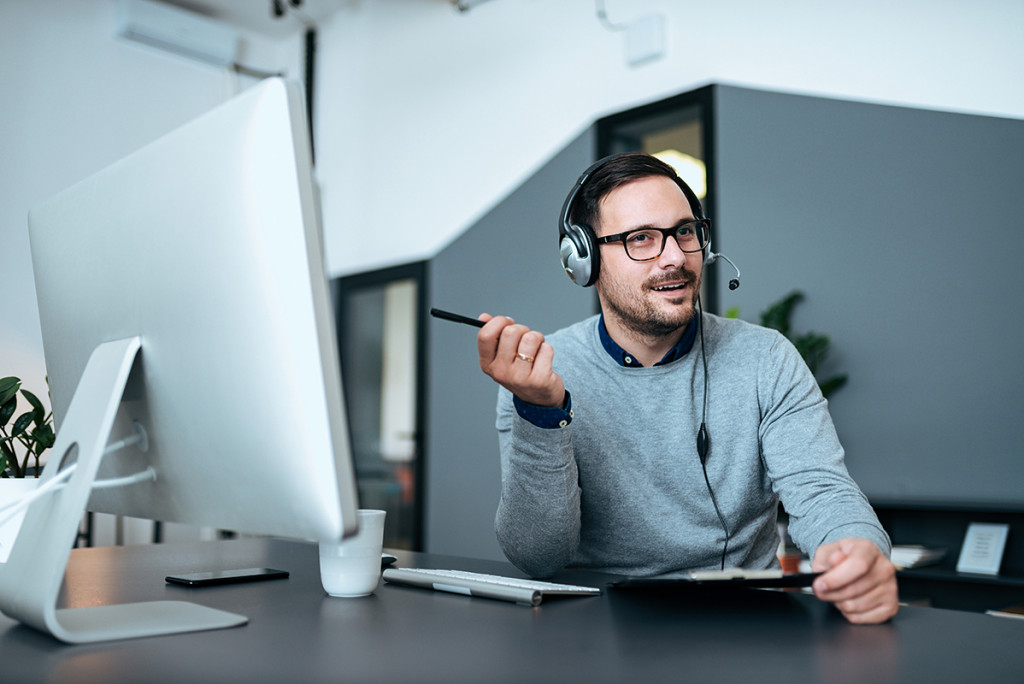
{"x":624,"y":358}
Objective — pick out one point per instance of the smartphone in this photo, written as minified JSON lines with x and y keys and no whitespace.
{"x":208,"y":579}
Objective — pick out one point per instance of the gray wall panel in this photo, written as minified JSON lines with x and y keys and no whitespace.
{"x":903,"y":228}
{"x":507,"y":263}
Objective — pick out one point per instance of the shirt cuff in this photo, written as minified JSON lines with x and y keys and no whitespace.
{"x":547,"y":417}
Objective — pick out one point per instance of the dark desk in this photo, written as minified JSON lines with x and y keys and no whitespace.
{"x":298,"y":634}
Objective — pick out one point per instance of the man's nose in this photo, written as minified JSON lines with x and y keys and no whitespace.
{"x":672,"y":254}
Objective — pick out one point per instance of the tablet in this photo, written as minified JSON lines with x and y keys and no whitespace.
{"x":732,"y":577}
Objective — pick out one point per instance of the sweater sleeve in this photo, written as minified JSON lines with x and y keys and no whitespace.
{"x":538,"y":517}
{"x":804,"y":458}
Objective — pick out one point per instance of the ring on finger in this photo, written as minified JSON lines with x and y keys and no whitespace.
{"x":524,"y":357}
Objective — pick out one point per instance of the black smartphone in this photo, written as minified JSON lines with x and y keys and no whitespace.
{"x":208,"y":579}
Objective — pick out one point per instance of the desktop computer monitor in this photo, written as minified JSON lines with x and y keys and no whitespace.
{"x":186,"y":315}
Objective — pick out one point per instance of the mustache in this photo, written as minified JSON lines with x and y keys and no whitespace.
{"x":678,"y":275}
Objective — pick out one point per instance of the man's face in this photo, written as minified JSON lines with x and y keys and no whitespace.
{"x":649,"y":298}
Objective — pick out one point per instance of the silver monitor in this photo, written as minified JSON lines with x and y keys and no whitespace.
{"x":186,"y":316}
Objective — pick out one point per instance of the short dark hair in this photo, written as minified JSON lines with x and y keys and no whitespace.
{"x":614,"y":172}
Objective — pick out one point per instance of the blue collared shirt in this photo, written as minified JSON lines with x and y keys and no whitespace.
{"x":624,"y":358}
{"x":553,"y":417}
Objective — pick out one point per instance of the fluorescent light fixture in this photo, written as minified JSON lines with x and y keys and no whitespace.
{"x":177,"y":30}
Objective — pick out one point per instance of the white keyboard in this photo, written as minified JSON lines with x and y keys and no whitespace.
{"x":522,"y":591}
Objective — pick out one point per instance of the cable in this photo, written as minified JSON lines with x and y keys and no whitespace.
{"x":294,"y":9}
{"x":139,"y":438}
{"x":60,"y":481}
{"x":704,"y":440}
{"x":26,"y":500}
{"x":148,"y":474}
{"x":602,"y":16}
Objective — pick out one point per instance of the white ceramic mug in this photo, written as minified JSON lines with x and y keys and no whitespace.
{"x":352,"y":567}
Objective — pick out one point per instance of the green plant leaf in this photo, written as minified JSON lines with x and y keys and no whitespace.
{"x":36,"y":404}
{"x":32,"y":429}
{"x":7,"y":410}
{"x":44,"y":438}
{"x":811,"y":346}
{"x":20,"y":425}
{"x":832,"y":384}
{"x":9,"y":389}
{"x":778,"y":314}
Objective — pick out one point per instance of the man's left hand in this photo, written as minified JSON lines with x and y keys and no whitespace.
{"x":858,"y":579}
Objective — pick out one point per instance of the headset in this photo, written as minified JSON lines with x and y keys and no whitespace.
{"x":577,"y":246}
{"x":577,"y":243}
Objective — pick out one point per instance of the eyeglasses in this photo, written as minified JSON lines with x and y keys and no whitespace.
{"x":643,"y":244}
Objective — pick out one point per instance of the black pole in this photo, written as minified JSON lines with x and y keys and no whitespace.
{"x":310,"y":81}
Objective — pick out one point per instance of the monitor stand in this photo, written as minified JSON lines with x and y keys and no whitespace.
{"x":31,"y":580}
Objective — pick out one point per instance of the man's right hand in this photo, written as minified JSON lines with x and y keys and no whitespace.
{"x":519,"y":360}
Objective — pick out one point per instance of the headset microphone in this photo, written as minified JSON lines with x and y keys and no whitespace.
{"x":713,"y":257}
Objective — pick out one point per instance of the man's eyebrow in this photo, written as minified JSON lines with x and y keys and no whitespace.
{"x":647,"y":226}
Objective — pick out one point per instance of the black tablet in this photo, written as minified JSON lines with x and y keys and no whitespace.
{"x":735,"y":577}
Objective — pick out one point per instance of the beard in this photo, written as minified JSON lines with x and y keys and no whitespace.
{"x":642,"y":315}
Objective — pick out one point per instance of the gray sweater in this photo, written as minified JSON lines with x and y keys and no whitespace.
{"x":620,"y":488}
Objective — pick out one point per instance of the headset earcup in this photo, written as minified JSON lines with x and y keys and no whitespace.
{"x":578,"y":256}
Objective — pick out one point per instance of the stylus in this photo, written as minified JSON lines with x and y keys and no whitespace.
{"x":449,"y":316}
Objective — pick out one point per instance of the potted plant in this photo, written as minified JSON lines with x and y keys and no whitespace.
{"x":31,"y":432}
{"x":23,"y":440}
{"x":812,"y":346}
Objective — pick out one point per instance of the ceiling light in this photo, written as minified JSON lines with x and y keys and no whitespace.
{"x":690,"y":169}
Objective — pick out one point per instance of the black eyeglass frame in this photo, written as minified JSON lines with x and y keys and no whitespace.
{"x":704,"y":223}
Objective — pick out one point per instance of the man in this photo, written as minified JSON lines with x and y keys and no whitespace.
{"x":655,"y":438}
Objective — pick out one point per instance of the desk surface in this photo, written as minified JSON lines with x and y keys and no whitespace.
{"x":297,"y":633}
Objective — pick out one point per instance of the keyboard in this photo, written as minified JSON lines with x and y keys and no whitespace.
{"x":522,"y":591}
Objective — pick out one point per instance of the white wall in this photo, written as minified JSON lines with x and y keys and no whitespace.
{"x":74,"y":98}
{"x":427,"y":116}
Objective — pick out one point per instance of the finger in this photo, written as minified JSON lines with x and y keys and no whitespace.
{"x":529,"y":347}
{"x":535,"y":382}
{"x":878,"y":605}
{"x":840,"y":575}
{"x":827,"y":556}
{"x":544,"y":358}
{"x":874,"y":617}
{"x":863,"y":599}
{"x":878,"y":577}
{"x":554,"y":387}
{"x":488,"y":338}
{"x":852,"y":590}
{"x":846,"y":562}
{"x":508,"y":343}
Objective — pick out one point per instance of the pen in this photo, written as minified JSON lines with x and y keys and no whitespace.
{"x":449,"y":316}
